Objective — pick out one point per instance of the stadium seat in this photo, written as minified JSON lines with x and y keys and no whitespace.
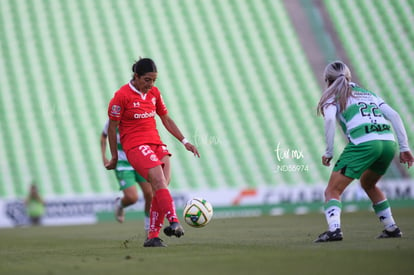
{"x":233,"y":74}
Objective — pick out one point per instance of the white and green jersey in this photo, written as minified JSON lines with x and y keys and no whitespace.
{"x":366,"y":117}
{"x":363,"y":120}
{"x":123,"y":163}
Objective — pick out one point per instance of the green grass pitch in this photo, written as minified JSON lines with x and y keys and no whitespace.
{"x":259,"y":245}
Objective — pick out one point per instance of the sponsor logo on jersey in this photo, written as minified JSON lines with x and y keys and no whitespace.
{"x":115,"y":110}
{"x":136,"y":104}
{"x":144,"y":115}
{"x":377,"y":128}
{"x":361,"y":94}
{"x":153,"y":157}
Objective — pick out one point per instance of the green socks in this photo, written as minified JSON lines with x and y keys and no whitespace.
{"x":383,"y":212}
{"x":333,"y":214}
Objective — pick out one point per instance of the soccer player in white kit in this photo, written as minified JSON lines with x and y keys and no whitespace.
{"x":365,"y":119}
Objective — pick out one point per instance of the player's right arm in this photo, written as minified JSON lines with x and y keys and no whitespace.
{"x":330,"y":123}
{"x":104,"y":138}
{"x":113,"y":125}
{"x":115,"y":111}
{"x":103,"y":148}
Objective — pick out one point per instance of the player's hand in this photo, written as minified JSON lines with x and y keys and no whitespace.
{"x":407,"y":157}
{"x":105,"y":161}
{"x":192,"y":149}
{"x":110,"y":165}
{"x":326,"y":160}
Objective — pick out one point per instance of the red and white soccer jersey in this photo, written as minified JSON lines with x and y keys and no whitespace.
{"x":136,"y":112}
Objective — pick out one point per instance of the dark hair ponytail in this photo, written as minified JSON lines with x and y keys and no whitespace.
{"x":143,"y":66}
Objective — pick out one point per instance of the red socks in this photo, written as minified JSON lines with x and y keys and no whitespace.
{"x":166,"y":205}
{"x":162,"y":205}
{"x":155,"y":221}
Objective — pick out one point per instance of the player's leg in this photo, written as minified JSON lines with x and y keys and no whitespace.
{"x":164,"y":201}
{"x":174,"y":229}
{"x":130,"y":196}
{"x":382,"y":160}
{"x":126,"y":180}
{"x":333,"y":206}
{"x":160,"y":207}
{"x":166,"y":168}
{"x":369,"y":181}
{"x":336,"y":186}
{"x":380,"y":203}
{"x":147,"y":163}
{"x":147,"y":192}
{"x":345,"y":170}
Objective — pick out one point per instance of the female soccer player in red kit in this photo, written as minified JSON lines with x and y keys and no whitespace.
{"x":133,"y":109}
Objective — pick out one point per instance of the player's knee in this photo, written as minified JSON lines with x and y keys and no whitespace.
{"x":369,"y":180}
{"x":159,"y":184}
{"x":367,"y":186}
{"x":157,"y":178}
{"x":131,"y":197}
{"x":332,"y":193}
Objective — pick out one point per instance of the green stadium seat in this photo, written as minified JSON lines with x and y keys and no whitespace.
{"x":233,"y":74}
{"x":381,"y":62}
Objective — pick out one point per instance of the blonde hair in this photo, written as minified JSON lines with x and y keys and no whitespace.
{"x":337,"y":76}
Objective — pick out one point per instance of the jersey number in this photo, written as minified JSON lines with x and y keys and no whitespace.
{"x":369,"y":109}
{"x":145,"y":150}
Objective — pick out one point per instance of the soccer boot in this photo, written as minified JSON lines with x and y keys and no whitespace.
{"x":154,"y":242}
{"x":174,"y":229}
{"x":329,"y":236}
{"x":390,"y":234}
{"x":119,"y":211}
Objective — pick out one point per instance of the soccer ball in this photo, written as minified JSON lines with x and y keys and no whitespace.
{"x":197,"y":212}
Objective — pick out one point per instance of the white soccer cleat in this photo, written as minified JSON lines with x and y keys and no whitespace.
{"x":119,"y":211}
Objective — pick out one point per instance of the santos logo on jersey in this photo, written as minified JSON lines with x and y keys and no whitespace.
{"x":144,"y":115}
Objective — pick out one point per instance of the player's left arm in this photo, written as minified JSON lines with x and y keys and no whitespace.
{"x":171,"y":127}
{"x":395,"y":119}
